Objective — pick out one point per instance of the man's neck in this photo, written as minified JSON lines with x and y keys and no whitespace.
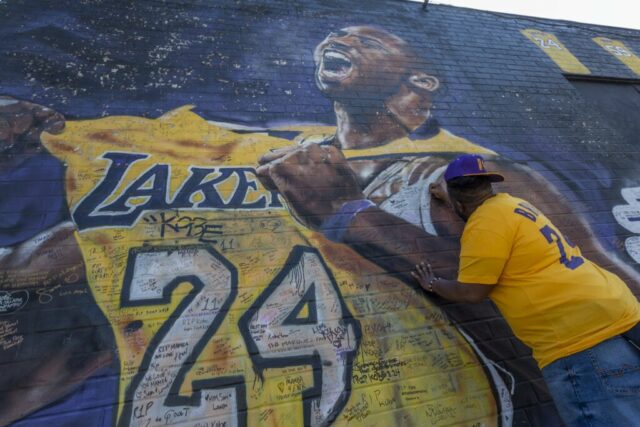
{"x":472,"y":207}
{"x":369,"y":127}
{"x":476,"y":204}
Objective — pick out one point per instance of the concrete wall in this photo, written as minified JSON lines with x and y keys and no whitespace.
{"x":147,"y":276}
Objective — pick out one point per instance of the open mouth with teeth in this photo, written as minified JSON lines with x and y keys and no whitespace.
{"x":335,"y":66}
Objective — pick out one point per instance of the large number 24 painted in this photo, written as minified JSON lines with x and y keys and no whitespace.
{"x":303,"y":304}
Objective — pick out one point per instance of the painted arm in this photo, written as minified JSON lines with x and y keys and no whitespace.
{"x":398,"y":246}
{"x":52,"y":256}
{"x":317,"y":180}
{"x":54,"y":335}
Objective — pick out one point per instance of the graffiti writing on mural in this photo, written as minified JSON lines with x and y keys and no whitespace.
{"x":326,"y":337}
{"x":628,"y":216}
{"x":189,"y":226}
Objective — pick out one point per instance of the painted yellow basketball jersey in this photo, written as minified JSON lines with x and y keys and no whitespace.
{"x":226,"y":310}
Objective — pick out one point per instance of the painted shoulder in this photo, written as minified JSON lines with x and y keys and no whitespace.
{"x":442,"y":141}
{"x":179,"y":136}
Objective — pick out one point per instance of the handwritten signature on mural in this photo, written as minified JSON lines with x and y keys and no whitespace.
{"x":302,"y":308}
{"x":628,"y":216}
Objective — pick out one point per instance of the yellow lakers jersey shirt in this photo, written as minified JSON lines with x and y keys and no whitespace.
{"x":555,"y":300}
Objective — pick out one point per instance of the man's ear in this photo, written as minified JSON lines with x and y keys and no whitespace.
{"x":424,"y":81}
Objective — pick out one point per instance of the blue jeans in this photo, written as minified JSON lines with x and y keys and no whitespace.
{"x":599,"y":386}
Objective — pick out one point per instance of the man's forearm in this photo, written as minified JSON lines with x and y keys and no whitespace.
{"x":398,"y":246}
{"x":453,"y":290}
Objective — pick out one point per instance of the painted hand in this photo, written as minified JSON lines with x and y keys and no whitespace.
{"x":315,"y":180}
{"x":22,"y":123}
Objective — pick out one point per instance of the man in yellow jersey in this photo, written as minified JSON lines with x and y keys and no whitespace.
{"x":580,"y":320}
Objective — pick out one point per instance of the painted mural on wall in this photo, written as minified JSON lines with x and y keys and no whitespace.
{"x":150,"y":278}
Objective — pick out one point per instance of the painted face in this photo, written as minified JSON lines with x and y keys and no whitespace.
{"x":366,"y":60}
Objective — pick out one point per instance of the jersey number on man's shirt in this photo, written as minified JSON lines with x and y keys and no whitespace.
{"x":552,"y":236}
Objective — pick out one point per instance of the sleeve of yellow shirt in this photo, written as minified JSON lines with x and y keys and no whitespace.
{"x":483,"y":256}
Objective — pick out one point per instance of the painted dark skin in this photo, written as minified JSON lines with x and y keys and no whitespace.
{"x":377,"y":98}
{"x":21,"y":124}
{"x":49,"y":269}
{"x":396,"y":110}
{"x":393,"y":99}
